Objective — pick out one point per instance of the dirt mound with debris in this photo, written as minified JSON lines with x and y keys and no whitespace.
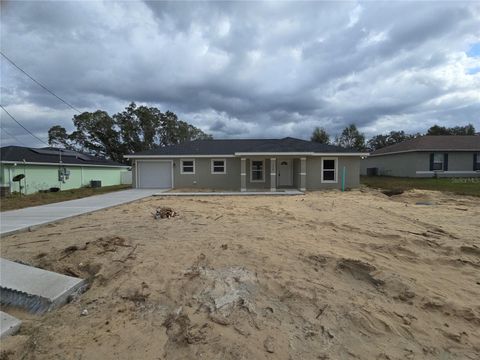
{"x":327,"y":275}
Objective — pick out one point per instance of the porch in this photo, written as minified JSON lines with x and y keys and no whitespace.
{"x":274,"y":174}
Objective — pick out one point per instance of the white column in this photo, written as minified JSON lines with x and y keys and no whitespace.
{"x":243,"y":174}
{"x":273,"y":174}
{"x":303,"y":174}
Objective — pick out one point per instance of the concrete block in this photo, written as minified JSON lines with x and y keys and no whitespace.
{"x":9,"y":325}
{"x":35,"y":289}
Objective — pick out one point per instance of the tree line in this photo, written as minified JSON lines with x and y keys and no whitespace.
{"x":137,"y":128}
{"x":351,"y":137}
{"x":140,"y":128}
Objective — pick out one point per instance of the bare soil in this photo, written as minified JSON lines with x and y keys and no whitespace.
{"x":326,"y":275}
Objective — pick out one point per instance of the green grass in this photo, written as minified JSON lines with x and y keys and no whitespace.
{"x":460,"y":186}
{"x":17,"y":201}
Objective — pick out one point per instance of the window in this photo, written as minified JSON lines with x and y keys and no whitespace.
{"x":329,"y":170}
{"x":187,"y":167}
{"x":476,"y":162}
{"x":256,"y":171}
{"x":218,"y":166}
{"x":438,"y":161}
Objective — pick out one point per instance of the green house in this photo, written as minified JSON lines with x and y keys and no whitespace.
{"x":47,"y":168}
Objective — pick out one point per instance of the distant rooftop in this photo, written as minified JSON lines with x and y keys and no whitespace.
{"x":434,"y":143}
{"x":51,"y":156}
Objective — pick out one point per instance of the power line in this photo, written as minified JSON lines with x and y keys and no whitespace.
{"x":39,"y":83}
{"x":35,"y":136}
{"x":13,"y":136}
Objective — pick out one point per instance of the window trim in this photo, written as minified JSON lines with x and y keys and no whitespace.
{"x":181,"y":167}
{"x":224,"y":167}
{"x":263,"y":171}
{"x":335,"y":181}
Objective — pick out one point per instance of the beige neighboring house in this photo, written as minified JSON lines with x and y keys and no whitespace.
{"x":247,"y":164}
{"x":427,"y":156}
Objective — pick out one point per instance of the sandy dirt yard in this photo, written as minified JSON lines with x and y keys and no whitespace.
{"x":326,"y":275}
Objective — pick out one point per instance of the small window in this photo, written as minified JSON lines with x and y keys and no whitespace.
{"x":438,"y":161}
{"x":256,"y":171}
{"x":477,"y":161}
{"x":218,"y":166}
{"x":188,"y":166}
{"x":329,"y":170}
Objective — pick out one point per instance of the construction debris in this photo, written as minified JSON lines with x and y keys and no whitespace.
{"x":164,"y":213}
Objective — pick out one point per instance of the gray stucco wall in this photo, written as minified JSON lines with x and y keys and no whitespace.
{"x":403,"y":165}
{"x":203,"y":178}
{"x":460,"y":164}
{"x":352,"y":173}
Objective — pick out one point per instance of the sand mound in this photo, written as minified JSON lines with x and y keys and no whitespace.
{"x":328,"y":275}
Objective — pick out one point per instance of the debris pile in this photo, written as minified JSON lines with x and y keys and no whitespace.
{"x":164,"y":213}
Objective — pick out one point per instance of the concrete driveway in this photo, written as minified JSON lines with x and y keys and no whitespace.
{"x":17,"y":220}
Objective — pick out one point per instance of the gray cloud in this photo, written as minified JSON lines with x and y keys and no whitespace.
{"x":245,"y":69}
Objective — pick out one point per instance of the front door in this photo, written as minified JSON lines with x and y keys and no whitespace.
{"x":285,"y":177}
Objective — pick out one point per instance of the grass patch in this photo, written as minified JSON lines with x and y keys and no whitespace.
{"x":460,"y":186}
{"x":17,"y":201}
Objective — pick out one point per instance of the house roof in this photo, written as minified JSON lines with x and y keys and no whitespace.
{"x":51,"y":156}
{"x":236,"y":146}
{"x":433,"y":143}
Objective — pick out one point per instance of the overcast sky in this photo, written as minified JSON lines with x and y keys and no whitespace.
{"x":244,"y":69}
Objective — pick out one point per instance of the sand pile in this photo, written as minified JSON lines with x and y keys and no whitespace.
{"x":328,"y":275}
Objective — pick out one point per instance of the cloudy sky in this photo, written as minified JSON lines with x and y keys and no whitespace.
{"x":244,"y":69}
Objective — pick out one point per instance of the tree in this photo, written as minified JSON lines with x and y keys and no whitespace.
{"x":132,"y":130}
{"x":456,"y":130}
{"x":58,"y":137}
{"x":351,"y":138}
{"x":320,"y":135}
{"x":394,"y":137}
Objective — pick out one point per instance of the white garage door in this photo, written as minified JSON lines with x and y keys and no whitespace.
{"x":154,"y":174}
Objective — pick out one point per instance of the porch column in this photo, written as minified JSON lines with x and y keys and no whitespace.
{"x":273,"y":174}
{"x":303,"y":174}
{"x":243,"y":174}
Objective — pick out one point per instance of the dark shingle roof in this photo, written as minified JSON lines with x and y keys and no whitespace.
{"x":232,"y":146}
{"x":434,"y":143}
{"x":51,"y":155}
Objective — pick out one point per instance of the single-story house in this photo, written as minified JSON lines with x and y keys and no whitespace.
{"x":427,"y":156}
{"x":46,"y":168}
{"x":252,"y":164}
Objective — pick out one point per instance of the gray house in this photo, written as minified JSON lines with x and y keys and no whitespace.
{"x":253,"y":164}
{"x":427,"y":156}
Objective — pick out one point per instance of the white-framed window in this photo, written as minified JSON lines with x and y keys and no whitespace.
{"x":187,"y":166}
{"x":438,"y":161}
{"x":219,"y":166}
{"x":257,"y":171}
{"x":329,"y":170}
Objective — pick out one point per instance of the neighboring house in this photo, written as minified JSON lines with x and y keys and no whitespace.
{"x":49,"y":167}
{"x":252,"y":164}
{"x":428,"y":156}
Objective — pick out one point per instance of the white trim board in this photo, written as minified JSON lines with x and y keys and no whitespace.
{"x":224,"y":167}
{"x":268,"y":154}
{"x":181,"y":167}
{"x":448,"y":172}
{"x":263,"y":171}
{"x":336,"y":170}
